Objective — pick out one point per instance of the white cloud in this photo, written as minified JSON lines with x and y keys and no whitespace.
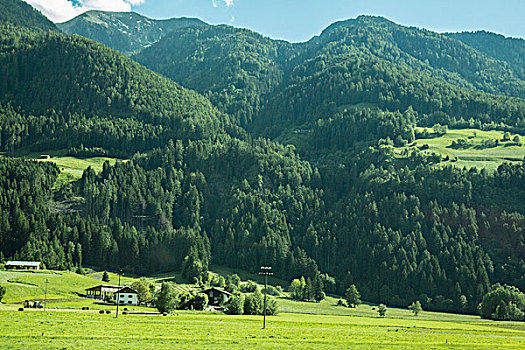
{"x":232,"y":19}
{"x":214,"y":3}
{"x":64,"y":10}
{"x":228,"y":2}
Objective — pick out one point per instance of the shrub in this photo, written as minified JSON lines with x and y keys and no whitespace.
{"x":235,"y":305}
{"x":2,"y":293}
{"x":503,"y":303}
{"x":200,"y":301}
{"x":248,"y":287}
{"x":166,"y":299}
{"x":271,"y":290}
{"x":381,"y":310}
{"x":416,"y":307}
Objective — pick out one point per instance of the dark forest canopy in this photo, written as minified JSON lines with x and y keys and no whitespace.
{"x":197,"y":188}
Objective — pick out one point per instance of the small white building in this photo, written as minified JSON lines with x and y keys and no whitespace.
{"x":127,"y":296}
{"x":22,"y":265}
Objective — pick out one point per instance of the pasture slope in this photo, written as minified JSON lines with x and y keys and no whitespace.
{"x":473,"y":153}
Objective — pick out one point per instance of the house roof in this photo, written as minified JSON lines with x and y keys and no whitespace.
{"x":128,"y":290}
{"x":23,"y":263}
{"x":104,"y":286}
{"x":215,"y":289}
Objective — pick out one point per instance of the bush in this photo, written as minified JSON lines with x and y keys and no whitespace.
{"x":271,"y":307}
{"x":381,"y":310}
{"x":342,"y":302}
{"x":200,"y":301}
{"x":253,"y":303}
{"x":235,"y":305}
{"x":416,"y":307}
{"x":166,"y":299}
{"x":232,"y":283}
{"x":248,"y":287}
{"x":503,"y":303}
{"x":2,"y":293}
{"x":271,"y":290}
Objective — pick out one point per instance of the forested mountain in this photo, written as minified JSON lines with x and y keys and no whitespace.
{"x":196,"y":188}
{"x":425,"y":51}
{"x":236,"y":68}
{"x":127,"y":32}
{"x":275,"y":88}
{"x":66,"y":91}
{"x":19,"y":13}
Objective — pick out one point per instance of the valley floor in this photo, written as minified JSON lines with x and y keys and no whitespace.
{"x":88,"y":330}
{"x":299,"y":325}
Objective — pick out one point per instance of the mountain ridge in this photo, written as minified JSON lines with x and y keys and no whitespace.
{"x":127,"y":32}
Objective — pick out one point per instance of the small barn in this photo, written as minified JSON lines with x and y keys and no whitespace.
{"x":102,"y":291}
{"x":216,"y":296}
{"x":127,"y":296}
{"x":22,"y":265}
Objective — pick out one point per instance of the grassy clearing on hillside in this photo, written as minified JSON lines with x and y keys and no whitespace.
{"x":475,"y":155}
{"x":63,"y":285}
{"x":71,"y":168}
{"x":81,"y":330}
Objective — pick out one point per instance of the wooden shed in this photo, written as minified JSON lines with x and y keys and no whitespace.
{"x":102,"y":291}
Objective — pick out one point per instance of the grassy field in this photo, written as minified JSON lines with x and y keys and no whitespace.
{"x":299,"y":324}
{"x":473,"y":155}
{"x":194,"y":330}
{"x":63,"y":286}
{"x":72,"y":168}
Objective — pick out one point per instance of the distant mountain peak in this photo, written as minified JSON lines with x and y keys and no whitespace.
{"x":127,"y":32}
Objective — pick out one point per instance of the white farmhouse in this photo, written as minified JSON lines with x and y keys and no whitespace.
{"x":127,"y":296}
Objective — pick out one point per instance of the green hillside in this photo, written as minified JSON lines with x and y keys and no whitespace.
{"x":236,"y":68}
{"x":510,"y":50}
{"x":337,"y":205}
{"x":21,"y":14}
{"x":106,"y":101}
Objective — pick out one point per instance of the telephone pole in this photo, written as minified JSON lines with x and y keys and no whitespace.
{"x":45,"y":297}
{"x":118,"y":292}
{"x":266,"y":271}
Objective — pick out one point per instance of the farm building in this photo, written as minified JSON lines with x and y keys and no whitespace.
{"x":216,"y":296}
{"x":45,"y":156}
{"x":127,"y":296}
{"x":22,"y":265}
{"x":102,"y":291}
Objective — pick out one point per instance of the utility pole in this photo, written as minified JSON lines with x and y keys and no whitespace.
{"x":266,"y":271}
{"x":45,"y":298}
{"x":118,"y":292}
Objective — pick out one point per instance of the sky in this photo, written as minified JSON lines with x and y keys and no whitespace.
{"x":299,"y":20}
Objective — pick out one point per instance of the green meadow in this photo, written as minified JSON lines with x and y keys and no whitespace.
{"x":299,"y":324}
{"x":197,"y":330}
{"x":474,"y":154}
